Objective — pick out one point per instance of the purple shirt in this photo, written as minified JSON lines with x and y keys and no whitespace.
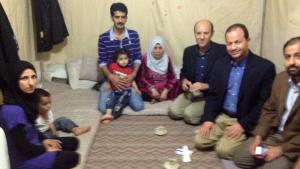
{"x":10,"y":117}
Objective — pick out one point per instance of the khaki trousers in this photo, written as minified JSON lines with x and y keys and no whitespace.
{"x":224,"y":146}
{"x":187,"y":107}
{"x":244,"y":159}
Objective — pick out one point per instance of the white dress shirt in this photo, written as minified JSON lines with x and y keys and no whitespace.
{"x":289,"y":103}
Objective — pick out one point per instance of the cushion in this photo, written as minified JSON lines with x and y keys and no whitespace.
{"x":56,"y":70}
{"x":160,"y":108}
{"x":89,"y":69}
{"x":73,"y":69}
{"x":177,"y":71}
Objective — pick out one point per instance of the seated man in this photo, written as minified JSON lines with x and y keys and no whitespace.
{"x":239,"y":86}
{"x":278,"y":129}
{"x":198,"y":61}
{"x":115,"y":38}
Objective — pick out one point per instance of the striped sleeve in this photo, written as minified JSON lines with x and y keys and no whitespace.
{"x":136,"y":47}
{"x":102,"y":50}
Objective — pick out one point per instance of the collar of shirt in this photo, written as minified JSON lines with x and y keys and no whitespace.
{"x":293,"y":86}
{"x":242,"y":63}
{"x":113,"y":36}
{"x":205,"y":53}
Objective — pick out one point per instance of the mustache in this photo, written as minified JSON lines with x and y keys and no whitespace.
{"x":290,"y":67}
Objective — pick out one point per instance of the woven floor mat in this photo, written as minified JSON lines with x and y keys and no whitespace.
{"x":130,"y":143}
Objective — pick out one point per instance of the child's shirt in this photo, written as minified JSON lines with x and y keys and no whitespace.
{"x":42,"y":124}
{"x":120,"y":71}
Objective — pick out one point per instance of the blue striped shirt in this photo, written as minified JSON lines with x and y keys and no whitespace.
{"x":108,"y":44}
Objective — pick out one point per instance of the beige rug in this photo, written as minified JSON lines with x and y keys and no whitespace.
{"x":130,"y":143}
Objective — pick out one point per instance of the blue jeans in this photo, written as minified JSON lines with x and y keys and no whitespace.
{"x":61,"y":124}
{"x":117,"y":101}
{"x":136,"y":102}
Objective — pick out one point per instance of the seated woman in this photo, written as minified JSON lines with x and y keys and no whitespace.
{"x":157,"y":79}
{"x":26,"y":147}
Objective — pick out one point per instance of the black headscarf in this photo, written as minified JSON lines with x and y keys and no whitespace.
{"x":13,"y":94}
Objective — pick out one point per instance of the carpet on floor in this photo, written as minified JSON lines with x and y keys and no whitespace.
{"x":130,"y":143}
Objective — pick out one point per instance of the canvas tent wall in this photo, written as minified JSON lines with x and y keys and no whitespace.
{"x":270,"y":22}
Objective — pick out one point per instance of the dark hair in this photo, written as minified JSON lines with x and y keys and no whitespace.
{"x":118,"y":7}
{"x":291,"y":41}
{"x":119,"y":52}
{"x":41,"y":93}
{"x":238,"y":25}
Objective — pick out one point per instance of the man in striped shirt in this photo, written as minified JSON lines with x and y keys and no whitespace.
{"x":119,"y":37}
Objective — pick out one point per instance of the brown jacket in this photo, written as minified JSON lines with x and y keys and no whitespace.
{"x":271,"y":115}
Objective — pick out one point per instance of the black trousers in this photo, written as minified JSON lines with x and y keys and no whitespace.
{"x":67,"y":158}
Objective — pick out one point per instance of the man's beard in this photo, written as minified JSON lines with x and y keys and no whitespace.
{"x":120,"y":25}
{"x":293,"y":71}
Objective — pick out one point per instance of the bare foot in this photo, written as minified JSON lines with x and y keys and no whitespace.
{"x":80,"y":130}
{"x":105,"y":119}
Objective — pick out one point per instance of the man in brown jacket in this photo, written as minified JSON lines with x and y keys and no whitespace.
{"x":276,"y":141}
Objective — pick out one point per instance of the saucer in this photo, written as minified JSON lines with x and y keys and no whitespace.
{"x":171,"y":164}
{"x":160,"y":131}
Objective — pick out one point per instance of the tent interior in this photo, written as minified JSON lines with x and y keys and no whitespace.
{"x":270,"y":23}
